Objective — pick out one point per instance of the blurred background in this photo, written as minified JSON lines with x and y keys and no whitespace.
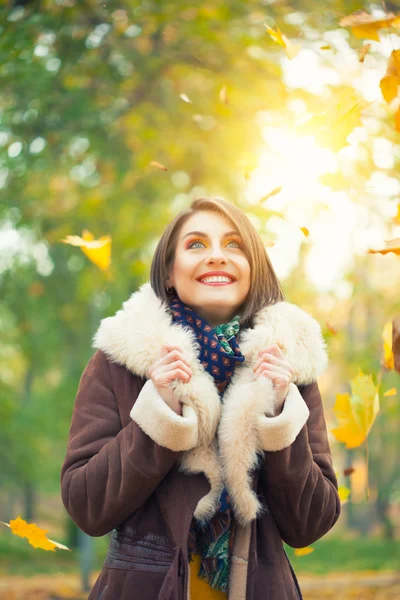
{"x":116,"y":115}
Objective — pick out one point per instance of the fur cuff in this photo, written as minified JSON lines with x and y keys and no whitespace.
{"x":277,"y":433}
{"x":161,"y":423}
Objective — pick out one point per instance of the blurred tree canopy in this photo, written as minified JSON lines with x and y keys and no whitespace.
{"x":93,"y":96}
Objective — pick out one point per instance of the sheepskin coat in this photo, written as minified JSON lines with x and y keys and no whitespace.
{"x":135,"y":468}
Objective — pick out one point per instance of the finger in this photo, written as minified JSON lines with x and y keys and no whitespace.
{"x":267,"y":358}
{"x":175,"y":355}
{"x":284,"y":373}
{"x":163,"y":379}
{"x":177,"y":364}
{"x":279,"y":380}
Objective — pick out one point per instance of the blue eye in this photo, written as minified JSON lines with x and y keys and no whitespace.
{"x":200,"y":242}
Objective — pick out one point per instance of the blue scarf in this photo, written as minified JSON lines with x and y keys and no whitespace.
{"x":219,"y":354}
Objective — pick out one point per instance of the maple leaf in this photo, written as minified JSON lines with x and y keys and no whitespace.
{"x":97,"y":251}
{"x":391,"y":246}
{"x":356,"y":413}
{"x":35,"y":535}
{"x":290,"y":49}
{"x":364,"y":25}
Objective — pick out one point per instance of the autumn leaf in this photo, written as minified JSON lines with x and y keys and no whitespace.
{"x":356,"y":413}
{"x":348,"y":471}
{"x":223,"y":96}
{"x":336,"y":121}
{"x":388,"y":358}
{"x":290,"y":49}
{"x":330,"y":328}
{"x":364,"y":25}
{"x":185,"y":98}
{"x":391,"y":392}
{"x":35,"y":535}
{"x":343,"y":493}
{"x":326,"y":47}
{"x":391,"y":246}
{"x":271,"y":193}
{"x":305,"y":231}
{"x":389,"y":84}
{"x":154,"y":163}
{"x":363,"y":52}
{"x":396,"y":218}
{"x":97,"y":251}
{"x":303,"y":551}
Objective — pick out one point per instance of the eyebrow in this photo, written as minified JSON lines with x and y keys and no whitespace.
{"x":202,"y":234}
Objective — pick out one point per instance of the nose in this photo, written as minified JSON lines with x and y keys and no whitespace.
{"x":216,"y":255}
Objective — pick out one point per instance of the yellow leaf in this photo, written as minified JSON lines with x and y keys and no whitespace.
{"x":389,"y":85}
{"x":155,"y":163}
{"x":343,"y":493}
{"x":356,"y":413}
{"x":348,"y":432}
{"x":97,"y":251}
{"x":388,"y":358}
{"x":391,"y":392}
{"x":305,"y":231}
{"x":290,"y":49}
{"x":303,"y":551}
{"x":223,"y":95}
{"x":35,"y":535}
{"x":364,"y":25}
{"x":326,"y":47}
{"x":391,"y":246}
{"x":396,"y":218}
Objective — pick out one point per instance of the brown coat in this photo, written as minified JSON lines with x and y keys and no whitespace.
{"x":135,"y":468}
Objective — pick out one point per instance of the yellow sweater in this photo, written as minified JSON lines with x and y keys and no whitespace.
{"x":200,"y":588}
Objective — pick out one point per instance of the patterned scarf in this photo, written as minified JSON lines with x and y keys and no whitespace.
{"x":219,"y":354}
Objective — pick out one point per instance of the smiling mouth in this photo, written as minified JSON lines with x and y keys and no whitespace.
{"x":214,"y":283}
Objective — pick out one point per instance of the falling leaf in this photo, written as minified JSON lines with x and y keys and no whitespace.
{"x":303,"y":551}
{"x":330,"y":328}
{"x":356,"y":413}
{"x":391,"y":392}
{"x":185,"y":98}
{"x":397,"y":120}
{"x":389,"y":84}
{"x":98,"y":251}
{"x":363,"y":51}
{"x":327,"y":47}
{"x":343,"y":493}
{"x":35,"y":535}
{"x":336,"y":120}
{"x":223,"y":96}
{"x":271,"y":193}
{"x":388,"y":358}
{"x":364,"y":25}
{"x":290,"y":49}
{"x":305,"y":231}
{"x":154,"y":163}
{"x":396,"y":218}
{"x":348,"y":471}
{"x":391,"y":246}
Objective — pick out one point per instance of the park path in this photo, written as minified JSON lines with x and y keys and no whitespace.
{"x":356,"y":586}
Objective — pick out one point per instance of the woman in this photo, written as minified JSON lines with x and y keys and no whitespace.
{"x":198,"y":435}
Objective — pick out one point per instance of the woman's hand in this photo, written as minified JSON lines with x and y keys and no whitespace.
{"x":272,"y":363}
{"x":170,"y":365}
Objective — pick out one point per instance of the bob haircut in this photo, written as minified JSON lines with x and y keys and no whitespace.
{"x":265,"y":288}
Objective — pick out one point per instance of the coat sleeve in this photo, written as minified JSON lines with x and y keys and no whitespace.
{"x":301,"y":485}
{"x":109,"y":471}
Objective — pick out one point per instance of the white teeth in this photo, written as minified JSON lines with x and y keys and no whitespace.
{"x":216,"y":278}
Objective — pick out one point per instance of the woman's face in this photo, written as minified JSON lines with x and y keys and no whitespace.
{"x":206,"y":243}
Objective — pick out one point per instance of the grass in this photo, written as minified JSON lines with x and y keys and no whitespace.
{"x":18,"y":557}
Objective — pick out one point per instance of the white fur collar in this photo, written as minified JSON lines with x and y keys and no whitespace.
{"x":242,"y":423}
